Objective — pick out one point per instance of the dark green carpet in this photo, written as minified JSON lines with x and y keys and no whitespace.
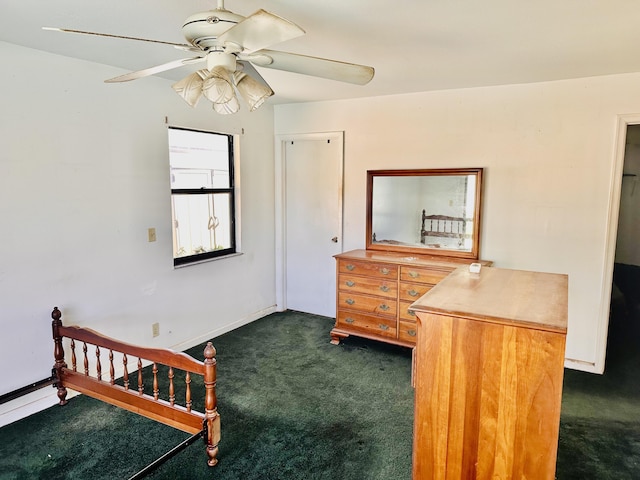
{"x":599,"y":449}
{"x":295,"y":407}
{"x":600,"y":421}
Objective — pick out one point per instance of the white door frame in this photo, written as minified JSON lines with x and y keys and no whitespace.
{"x":615,"y":192}
{"x":280,"y":205}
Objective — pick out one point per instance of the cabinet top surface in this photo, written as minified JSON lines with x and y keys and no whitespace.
{"x":501,"y":296}
{"x":400,"y":258}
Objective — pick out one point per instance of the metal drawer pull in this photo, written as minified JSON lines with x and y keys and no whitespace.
{"x":384,"y":327}
{"x":349,"y":320}
{"x":411,"y":312}
{"x":411,"y":333}
{"x":385,"y":271}
{"x":350,"y":283}
{"x":349,"y":301}
{"x":414,"y":274}
{"x":384,"y":307}
{"x":384,"y":288}
{"x":413,"y":293}
{"x":350,"y":267}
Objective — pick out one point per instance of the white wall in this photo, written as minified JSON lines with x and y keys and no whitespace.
{"x":548,"y":150}
{"x":84,"y":173}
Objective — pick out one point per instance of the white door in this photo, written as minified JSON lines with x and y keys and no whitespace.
{"x":311,"y":220}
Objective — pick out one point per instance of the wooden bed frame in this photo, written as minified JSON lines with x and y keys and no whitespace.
{"x":442,"y":226}
{"x":90,"y":381}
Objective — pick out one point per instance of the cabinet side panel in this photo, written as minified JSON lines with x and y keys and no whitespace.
{"x":499,"y":389}
{"x":540,"y":358}
{"x":433,"y":389}
{"x":488,"y":400}
{"x":464,"y":418}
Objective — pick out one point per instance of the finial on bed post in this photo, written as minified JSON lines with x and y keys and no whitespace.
{"x":58,"y":354}
{"x":211,"y":417}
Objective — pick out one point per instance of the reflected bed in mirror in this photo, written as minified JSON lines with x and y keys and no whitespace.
{"x":433,"y":212}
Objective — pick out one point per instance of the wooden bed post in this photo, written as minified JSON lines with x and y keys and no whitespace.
{"x":58,"y":354}
{"x":211,"y":417}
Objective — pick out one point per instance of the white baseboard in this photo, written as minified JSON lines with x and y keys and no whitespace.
{"x":187,"y":344}
{"x":582,"y":366}
{"x":29,"y":404}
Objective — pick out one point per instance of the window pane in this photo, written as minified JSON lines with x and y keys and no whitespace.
{"x":198,"y":159}
{"x":202,"y":223}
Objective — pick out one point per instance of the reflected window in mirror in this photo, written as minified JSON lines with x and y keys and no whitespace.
{"x":435,"y":212}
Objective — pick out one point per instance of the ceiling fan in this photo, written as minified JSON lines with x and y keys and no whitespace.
{"x":230,"y":44}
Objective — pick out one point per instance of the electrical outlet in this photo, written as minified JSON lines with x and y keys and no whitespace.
{"x":152,"y":234}
{"x":155,"y":329}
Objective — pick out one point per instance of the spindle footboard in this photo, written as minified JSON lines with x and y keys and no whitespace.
{"x":128,"y":390}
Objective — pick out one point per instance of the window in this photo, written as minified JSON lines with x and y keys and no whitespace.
{"x":202,"y":195}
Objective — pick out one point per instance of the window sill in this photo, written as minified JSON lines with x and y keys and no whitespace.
{"x":207,"y":260}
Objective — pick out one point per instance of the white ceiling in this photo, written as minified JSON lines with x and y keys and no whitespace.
{"x":414,"y":45}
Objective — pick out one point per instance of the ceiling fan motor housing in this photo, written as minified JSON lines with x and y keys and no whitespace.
{"x":203,"y":29}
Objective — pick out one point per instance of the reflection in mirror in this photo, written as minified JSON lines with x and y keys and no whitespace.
{"x":424,"y":211}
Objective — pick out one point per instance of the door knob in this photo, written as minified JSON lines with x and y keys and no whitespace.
{"x":334,"y":239}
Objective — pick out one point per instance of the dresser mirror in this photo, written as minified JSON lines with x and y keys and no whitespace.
{"x":434,"y":212}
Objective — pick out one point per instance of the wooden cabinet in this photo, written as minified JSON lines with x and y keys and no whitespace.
{"x":376,"y":289}
{"x":488,"y":376}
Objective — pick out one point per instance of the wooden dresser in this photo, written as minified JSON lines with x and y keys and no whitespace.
{"x":489,"y":366}
{"x":376,"y":288}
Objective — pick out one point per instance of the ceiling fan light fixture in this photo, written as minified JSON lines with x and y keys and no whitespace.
{"x":232,"y":106}
{"x":217,"y":87}
{"x":252,"y":91}
{"x":190,"y":87}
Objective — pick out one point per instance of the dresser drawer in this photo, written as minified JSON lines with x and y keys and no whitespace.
{"x":408,"y":331}
{"x":371,"y":269}
{"x":413,"y":291}
{"x":422,"y":275}
{"x":367,"y":304}
{"x":371,"y":324}
{"x":374,"y":290}
{"x":368,"y":285}
{"x":406,"y":314}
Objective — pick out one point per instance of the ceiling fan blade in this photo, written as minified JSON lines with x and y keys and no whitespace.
{"x":153,"y":70}
{"x":259,"y":30}
{"x":247,"y":68}
{"x":188,"y":48}
{"x":314,"y":66}
{"x":108,"y":35}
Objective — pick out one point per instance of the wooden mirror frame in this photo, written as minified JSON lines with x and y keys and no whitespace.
{"x":473,"y":253}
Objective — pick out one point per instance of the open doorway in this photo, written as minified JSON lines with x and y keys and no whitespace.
{"x":624,"y":321}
